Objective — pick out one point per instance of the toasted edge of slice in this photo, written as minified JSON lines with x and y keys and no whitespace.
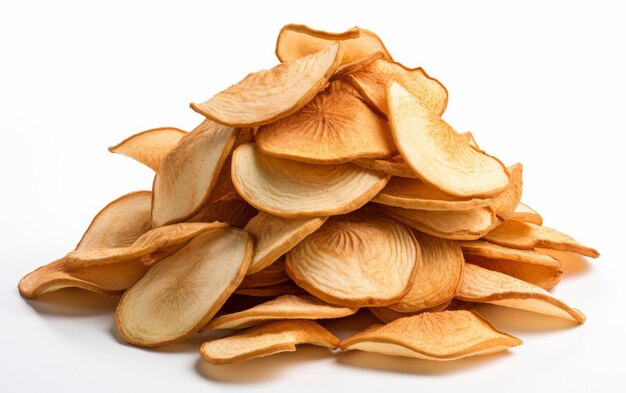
{"x":284,"y":288}
{"x":387,"y":314}
{"x":149,"y":147}
{"x":527,"y":214}
{"x":270,"y":275}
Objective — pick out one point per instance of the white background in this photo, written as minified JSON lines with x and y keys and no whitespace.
{"x":537,"y":82}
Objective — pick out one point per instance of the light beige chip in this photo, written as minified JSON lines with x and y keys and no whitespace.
{"x":284,"y":288}
{"x":268,"y":95}
{"x":270,"y":275}
{"x":181,"y":293}
{"x":446,"y":335}
{"x":283,"y":307}
{"x":149,"y":147}
{"x":294,"y":189}
{"x":487,"y":286}
{"x":356,"y":261}
{"x":437,"y":153}
{"x":265,"y":340}
{"x":525,"y":213}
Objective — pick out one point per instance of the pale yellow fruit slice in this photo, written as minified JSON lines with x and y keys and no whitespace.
{"x":356,"y":261}
{"x":270,"y":275}
{"x":438,"y":275}
{"x":149,"y":147}
{"x":294,"y":189}
{"x":335,"y":127}
{"x":268,"y":95}
{"x":386,"y":314}
{"x":180,"y":294}
{"x":265,"y":340}
{"x":437,"y":153}
{"x":525,"y":213}
{"x":283,"y":307}
{"x":446,"y":335}
{"x":284,"y":288}
{"x":526,"y":236}
{"x":487,"y":286}
{"x":531,"y":266}
{"x":274,"y":236}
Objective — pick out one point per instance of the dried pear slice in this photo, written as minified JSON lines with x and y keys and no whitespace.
{"x":296,"y":41}
{"x":356,"y":261}
{"x":270,"y":275}
{"x":149,"y":147}
{"x":181,"y":293}
{"x":386,"y":314}
{"x":446,"y":335}
{"x":394,"y":166}
{"x":335,"y":127}
{"x":505,"y":203}
{"x":525,"y":213}
{"x":438,"y":275}
{"x":265,"y":340}
{"x":527,"y":236}
{"x":274,"y":236}
{"x":268,"y":95}
{"x":294,"y":189}
{"x":486,"y":286}
{"x":371,"y":82}
{"x":437,"y":153}
{"x":284,"y":288}
{"x":189,"y":173}
{"x":356,"y":65}
{"x":531,"y":266}
{"x":283,"y":307}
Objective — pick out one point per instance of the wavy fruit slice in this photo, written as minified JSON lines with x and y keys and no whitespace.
{"x":356,"y":261}
{"x":525,"y":213}
{"x":265,"y":340}
{"x":446,"y":335}
{"x":268,"y":95}
{"x":270,"y":275}
{"x":180,"y":294}
{"x":149,"y":147}
{"x":294,"y":189}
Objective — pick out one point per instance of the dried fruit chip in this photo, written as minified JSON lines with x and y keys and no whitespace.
{"x":182,"y":292}
{"x":446,"y":335}
{"x":149,"y":147}
{"x":356,"y":65}
{"x":386,"y":314}
{"x":394,"y":166}
{"x":268,"y":95}
{"x":526,"y":214}
{"x":356,"y":261}
{"x":486,"y":286}
{"x":270,"y":275}
{"x":265,"y":340}
{"x":294,"y":189}
{"x":437,"y":153}
{"x":505,"y":203}
{"x":284,"y":288}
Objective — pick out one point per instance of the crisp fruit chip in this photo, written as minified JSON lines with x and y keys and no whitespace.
{"x":149,"y":147}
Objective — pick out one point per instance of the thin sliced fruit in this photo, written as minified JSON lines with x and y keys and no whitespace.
{"x":525,"y":213}
{"x":487,"y":286}
{"x":284,"y":288}
{"x":335,"y":127}
{"x":356,"y":65}
{"x":182,"y":292}
{"x":268,"y":95}
{"x":274,"y":236}
{"x":505,"y":203}
{"x":528,"y":265}
{"x":525,"y":236}
{"x":386,"y":314}
{"x":437,"y":153}
{"x":438,"y":275}
{"x":294,"y":189}
{"x":189,"y":173}
{"x":283,"y":307}
{"x":270,"y":275}
{"x":394,"y":166}
{"x":296,"y":41}
{"x":149,"y":147}
{"x":265,"y":340}
{"x":356,"y":261}
{"x":446,"y":335}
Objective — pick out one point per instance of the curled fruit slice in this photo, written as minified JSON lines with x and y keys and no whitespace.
{"x":486,"y":286}
{"x":505,"y":203}
{"x":149,"y":147}
{"x":294,"y":189}
{"x":268,"y":95}
{"x":356,"y":261}
{"x":182,"y":292}
{"x":265,"y":340}
{"x":525,"y":213}
{"x":270,"y":275}
{"x":446,"y":335}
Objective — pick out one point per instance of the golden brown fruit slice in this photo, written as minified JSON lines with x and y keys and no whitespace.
{"x":335,"y":127}
{"x":270,"y":275}
{"x":265,"y":340}
{"x":505,"y":203}
{"x":274,"y":236}
{"x":528,"y":265}
{"x":189,"y":173}
{"x":268,"y":95}
{"x":356,"y":261}
{"x":446,"y":335}
{"x":438,"y":275}
{"x":356,"y":65}
{"x":284,"y":288}
{"x":149,"y":147}
{"x":525,"y":236}
{"x":525,"y":213}
{"x":296,"y":41}
{"x":487,"y":286}
{"x":181,"y":293}
{"x":437,"y":153}
{"x":283,"y":307}
{"x":294,"y":189}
